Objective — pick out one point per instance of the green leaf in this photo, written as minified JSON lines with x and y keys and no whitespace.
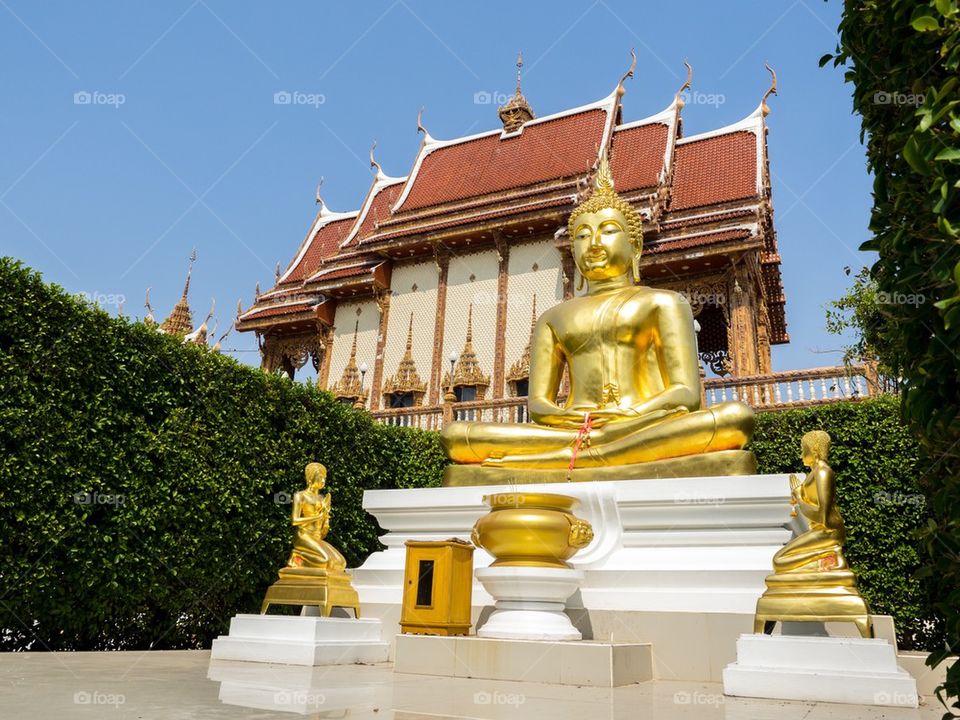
{"x":914,"y":156}
{"x":924,"y":23}
{"x":948,"y":154}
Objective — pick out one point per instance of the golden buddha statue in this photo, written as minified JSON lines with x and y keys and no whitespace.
{"x":316,"y":572}
{"x":311,"y":518}
{"x":811,"y":580}
{"x":631,"y":354}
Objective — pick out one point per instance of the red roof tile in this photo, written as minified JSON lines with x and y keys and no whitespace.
{"x":379,"y":210}
{"x":282,"y":310}
{"x":683,"y":243}
{"x":322,"y":245}
{"x":715,"y":170}
{"x":528,"y":205}
{"x":335,"y":273}
{"x":561,"y":147}
{"x":636,"y":156}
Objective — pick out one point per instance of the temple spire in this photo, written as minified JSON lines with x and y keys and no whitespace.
{"x":180,"y":320}
{"x":406,"y":379}
{"x":520,"y":370}
{"x":350,"y":385}
{"x":467,"y":372}
{"x":516,"y":111}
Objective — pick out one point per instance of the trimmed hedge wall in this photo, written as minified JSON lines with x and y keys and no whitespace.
{"x":144,"y":484}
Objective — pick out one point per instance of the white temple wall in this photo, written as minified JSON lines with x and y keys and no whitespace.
{"x":472,"y":280}
{"x":364,"y":315}
{"x":534,"y":269}
{"x":413,"y":290}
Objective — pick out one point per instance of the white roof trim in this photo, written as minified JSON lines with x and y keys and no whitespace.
{"x":324,"y":216}
{"x":752,"y":123}
{"x":430,"y":144}
{"x":380,"y":182}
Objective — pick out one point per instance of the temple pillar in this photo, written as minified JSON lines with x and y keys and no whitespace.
{"x":323,"y":374}
{"x":436,"y":365}
{"x":383,"y":304}
{"x":742,"y":330}
{"x":500,"y":344}
{"x":764,"y":359}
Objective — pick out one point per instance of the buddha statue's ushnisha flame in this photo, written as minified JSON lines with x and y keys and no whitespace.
{"x":604,"y":197}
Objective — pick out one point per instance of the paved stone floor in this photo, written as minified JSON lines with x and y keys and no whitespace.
{"x":182,"y":685}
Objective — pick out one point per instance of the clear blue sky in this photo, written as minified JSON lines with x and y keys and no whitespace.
{"x":109,"y":198}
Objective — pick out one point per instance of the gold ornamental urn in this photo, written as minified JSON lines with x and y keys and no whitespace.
{"x":531,"y":530}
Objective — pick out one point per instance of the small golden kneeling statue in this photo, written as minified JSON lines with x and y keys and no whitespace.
{"x":811,"y":580}
{"x":316,"y":571}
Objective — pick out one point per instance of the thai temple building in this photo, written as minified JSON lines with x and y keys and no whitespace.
{"x":424,"y":295}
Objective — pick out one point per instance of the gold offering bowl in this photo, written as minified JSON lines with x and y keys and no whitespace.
{"x":531,"y":530}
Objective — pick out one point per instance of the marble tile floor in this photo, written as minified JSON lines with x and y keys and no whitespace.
{"x":184,"y":685}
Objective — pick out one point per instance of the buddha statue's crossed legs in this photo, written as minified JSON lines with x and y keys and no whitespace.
{"x":723,"y":427}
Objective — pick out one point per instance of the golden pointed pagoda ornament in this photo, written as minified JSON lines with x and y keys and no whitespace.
{"x":405,"y":386}
{"x":180,"y":320}
{"x":520,"y":370}
{"x":349,"y":389}
{"x":467,"y":372}
{"x":516,"y":111}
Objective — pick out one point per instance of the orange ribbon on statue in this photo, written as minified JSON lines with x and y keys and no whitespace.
{"x":582,"y":440}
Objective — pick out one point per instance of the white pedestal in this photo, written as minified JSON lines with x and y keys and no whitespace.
{"x":825,"y":669}
{"x":698,"y":545}
{"x":299,"y":640}
{"x":529,"y":602}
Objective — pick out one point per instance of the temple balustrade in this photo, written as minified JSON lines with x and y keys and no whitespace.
{"x":764,"y":393}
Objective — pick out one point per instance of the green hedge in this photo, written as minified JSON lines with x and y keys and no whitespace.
{"x":875,"y":460}
{"x":188,"y":458}
{"x":143,"y":482}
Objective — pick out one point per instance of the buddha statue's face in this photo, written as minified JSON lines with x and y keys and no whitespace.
{"x":601,"y":244}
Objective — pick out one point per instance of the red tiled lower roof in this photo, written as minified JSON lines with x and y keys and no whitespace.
{"x":336,"y":273}
{"x":683,"y":243}
{"x":636,"y":156}
{"x":714,"y":170}
{"x":322,"y":245}
{"x":281,"y":310}
{"x":561,"y":147}
{"x":669,"y":223}
{"x":378,"y":212}
{"x":526,"y":206}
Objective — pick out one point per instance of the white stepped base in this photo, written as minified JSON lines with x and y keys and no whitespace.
{"x":684,"y":544}
{"x":589,"y":664}
{"x":530,"y":602}
{"x":299,"y":640}
{"x":822,"y":669}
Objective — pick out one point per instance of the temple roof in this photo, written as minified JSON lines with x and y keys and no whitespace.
{"x":328,"y":230}
{"x":554,"y":146}
{"x":705,"y":190}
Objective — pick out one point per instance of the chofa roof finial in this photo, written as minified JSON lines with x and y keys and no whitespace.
{"x":686,"y":84}
{"x":628,"y":73}
{"x":319,"y":200}
{"x":373,"y":162}
{"x":764,"y":108}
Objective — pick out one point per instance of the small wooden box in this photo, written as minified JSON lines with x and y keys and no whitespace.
{"x":437,"y":588}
